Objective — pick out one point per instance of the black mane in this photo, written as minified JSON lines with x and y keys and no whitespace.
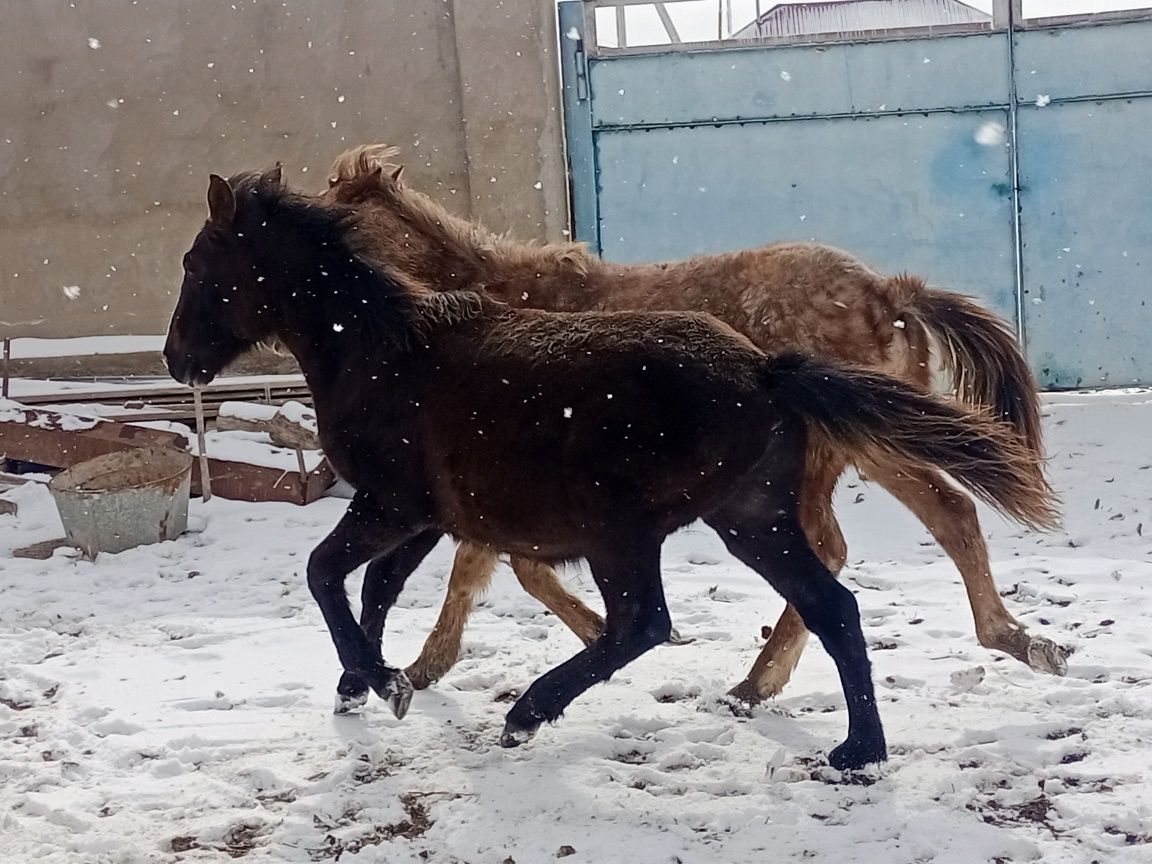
{"x":316,"y":246}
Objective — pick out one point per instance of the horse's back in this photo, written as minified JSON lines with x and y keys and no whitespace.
{"x":597,"y":420}
{"x":801,"y":297}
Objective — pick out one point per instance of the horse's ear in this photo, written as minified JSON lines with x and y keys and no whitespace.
{"x":396,"y":175}
{"x":276,"y":175}
{"x":221,"y":201}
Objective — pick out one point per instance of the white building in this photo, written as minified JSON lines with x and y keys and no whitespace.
{"x":858,"y":17}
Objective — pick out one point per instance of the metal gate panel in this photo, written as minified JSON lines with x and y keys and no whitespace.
{"x":758,"y":83}
{"x":945,"y":211}
{"x":1086,"y":238}
{"x":1012,"y":169}
{"x":1085,"y":113}
{"x":1070,"y":62}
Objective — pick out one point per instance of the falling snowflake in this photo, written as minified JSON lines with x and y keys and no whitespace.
{"x":991,"y":134}
{"x":93,"y":43}
{"x":71,"y":291}
{"x":339,"y":328}
{"x":567,"y":413}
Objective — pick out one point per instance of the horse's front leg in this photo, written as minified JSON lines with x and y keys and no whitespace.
{"x":383,"y":581}
{"x":364,"y":532}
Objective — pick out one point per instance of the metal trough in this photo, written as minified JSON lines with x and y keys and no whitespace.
{"x":120,"y":500}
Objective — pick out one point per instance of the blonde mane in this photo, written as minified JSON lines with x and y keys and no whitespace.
{"x":372,"y":169}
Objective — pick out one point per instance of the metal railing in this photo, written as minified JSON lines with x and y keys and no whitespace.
{"x":608,"y":31}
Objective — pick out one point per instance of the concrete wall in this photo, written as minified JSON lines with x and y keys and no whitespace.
{"x":115,"y":112}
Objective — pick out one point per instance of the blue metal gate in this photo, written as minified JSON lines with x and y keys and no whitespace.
{"x":1004,"y":163}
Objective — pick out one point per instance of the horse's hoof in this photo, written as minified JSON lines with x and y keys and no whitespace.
{"x":674,"y":638}
{"x":1044,"y":655}
{"x":351,"y":693}
{"x":347,"y":703}
{"x":734,"y":705}
{"x":514,"y":736}
{"x":393,"y":686}
{"x":745,"y":693}
{"x":398,"y":694}
{"x":852,"y":755}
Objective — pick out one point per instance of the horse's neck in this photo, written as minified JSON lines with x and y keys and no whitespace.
{"x":555,"y":282}
{"x":451,"y":254}
{"x":558,"y":278}
{"x":333,"y":331}
{"x":443,"y":266}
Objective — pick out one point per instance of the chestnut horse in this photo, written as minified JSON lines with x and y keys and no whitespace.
{"x":556,"y":437}
{"x":786,"y":297}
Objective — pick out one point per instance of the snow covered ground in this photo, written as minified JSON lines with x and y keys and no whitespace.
{"x":79,"y":346}
{"x":174,"y":702}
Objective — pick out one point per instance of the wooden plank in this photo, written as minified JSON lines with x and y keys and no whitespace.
{"x":282,"y":431}
{"x":7,"y":367}
{"x":146,"y":416}
{"x":205,"y":472}
{"x":41,"y":551}
{"x":216,"y":391}
{"x":175,"y":403}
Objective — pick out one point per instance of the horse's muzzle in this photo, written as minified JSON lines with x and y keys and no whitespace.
{"x":186,"y":370}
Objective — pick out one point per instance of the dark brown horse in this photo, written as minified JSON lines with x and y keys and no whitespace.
{"x":556,"y":437}
{"x":784,"y":297}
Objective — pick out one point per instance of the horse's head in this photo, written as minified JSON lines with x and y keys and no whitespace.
{"x":224,"y":307}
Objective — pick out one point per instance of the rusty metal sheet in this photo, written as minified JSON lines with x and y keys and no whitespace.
{"x":62,"y":440}
{"x":241,"y":481}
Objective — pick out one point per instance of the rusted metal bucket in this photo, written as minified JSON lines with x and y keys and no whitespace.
{"x":131,"y":498}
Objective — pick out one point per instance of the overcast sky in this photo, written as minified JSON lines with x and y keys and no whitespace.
{"x":697,"y":20}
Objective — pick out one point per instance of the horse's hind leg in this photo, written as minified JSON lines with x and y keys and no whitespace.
{"x":363,"y":533}
{"x":383,"y":579}
{"x":543,"y":584}
{"x":541,"y":581}
{"x":629,"y":580}
{"x":777,"y":660}
{"x":950,"y":516}
{"x":772,"y":543}
{"x":471,"y":573}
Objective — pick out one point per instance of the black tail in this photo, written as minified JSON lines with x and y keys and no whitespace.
{"x":876,"y":418}
{"x":983,"y":358}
